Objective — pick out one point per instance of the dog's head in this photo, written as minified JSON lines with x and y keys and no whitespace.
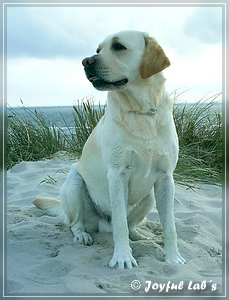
{"x":124,"y":57}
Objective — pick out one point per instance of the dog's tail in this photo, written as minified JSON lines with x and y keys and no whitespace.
{"x":46,"y":203}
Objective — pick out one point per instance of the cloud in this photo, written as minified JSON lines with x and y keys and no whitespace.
{"x":46,"y":45}
{"x":48,"y":82}
{"x":37,"y":32}
{"x":76,"y":31}
{"x":205,"y":25}
{"x":201,"y":74}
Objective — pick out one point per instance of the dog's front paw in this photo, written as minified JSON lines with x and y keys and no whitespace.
{"x":174,"y":258}
{"x":83,"y":238}
{"x":122,"y":259}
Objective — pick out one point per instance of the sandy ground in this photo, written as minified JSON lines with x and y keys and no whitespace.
{"x":42,"y":257}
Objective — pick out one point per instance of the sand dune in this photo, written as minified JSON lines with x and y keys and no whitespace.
{"x":42,"y":257}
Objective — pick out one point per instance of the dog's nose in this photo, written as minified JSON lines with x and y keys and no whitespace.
{"x":88,"y":61}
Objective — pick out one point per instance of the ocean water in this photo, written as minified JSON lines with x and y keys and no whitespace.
{"x":63,"y":116}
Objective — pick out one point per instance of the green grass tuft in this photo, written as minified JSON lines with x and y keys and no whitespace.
{"x":31,"y":137}
{"x":199,"y":128}
{"x":86,"y":117}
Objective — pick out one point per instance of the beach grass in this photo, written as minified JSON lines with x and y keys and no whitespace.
{"x":31,"y":137}
{"x":86,"y":117}
{"x":199,"y":128}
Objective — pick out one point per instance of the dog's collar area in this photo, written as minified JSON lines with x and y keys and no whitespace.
{"x":151,"y":112}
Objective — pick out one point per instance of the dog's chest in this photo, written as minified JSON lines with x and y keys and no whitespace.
{"x":143,"y":171}
{"x":148,"y":157}
{"x":150,"y":154}
{"x":153,"y":144}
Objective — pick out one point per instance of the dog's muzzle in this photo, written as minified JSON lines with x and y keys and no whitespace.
{"x":92,"y":70}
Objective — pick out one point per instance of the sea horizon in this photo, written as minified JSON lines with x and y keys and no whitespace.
{"x":63,"y":116}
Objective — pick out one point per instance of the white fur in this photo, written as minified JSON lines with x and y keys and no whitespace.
{"x":128,"y":158}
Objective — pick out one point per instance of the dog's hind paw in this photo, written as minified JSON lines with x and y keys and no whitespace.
{"x":83,"y":238}
{"x":136,"y":235}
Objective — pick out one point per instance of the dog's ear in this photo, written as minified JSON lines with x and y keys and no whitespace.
{"x":154,"y":59}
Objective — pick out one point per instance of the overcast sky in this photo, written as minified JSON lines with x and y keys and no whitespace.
{"x":45,"y":47}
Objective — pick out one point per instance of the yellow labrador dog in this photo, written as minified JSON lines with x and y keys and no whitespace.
{"x":131,"y":154}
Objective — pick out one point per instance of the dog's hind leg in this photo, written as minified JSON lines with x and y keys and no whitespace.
{"x":78,"y":208}
{"x":137,"y":215}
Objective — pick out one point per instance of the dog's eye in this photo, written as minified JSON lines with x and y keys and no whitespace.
{"x":118,"y":47}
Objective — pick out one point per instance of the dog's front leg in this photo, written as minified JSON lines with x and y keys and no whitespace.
{"x":164,"y":193}
{"x":118,"y":190}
